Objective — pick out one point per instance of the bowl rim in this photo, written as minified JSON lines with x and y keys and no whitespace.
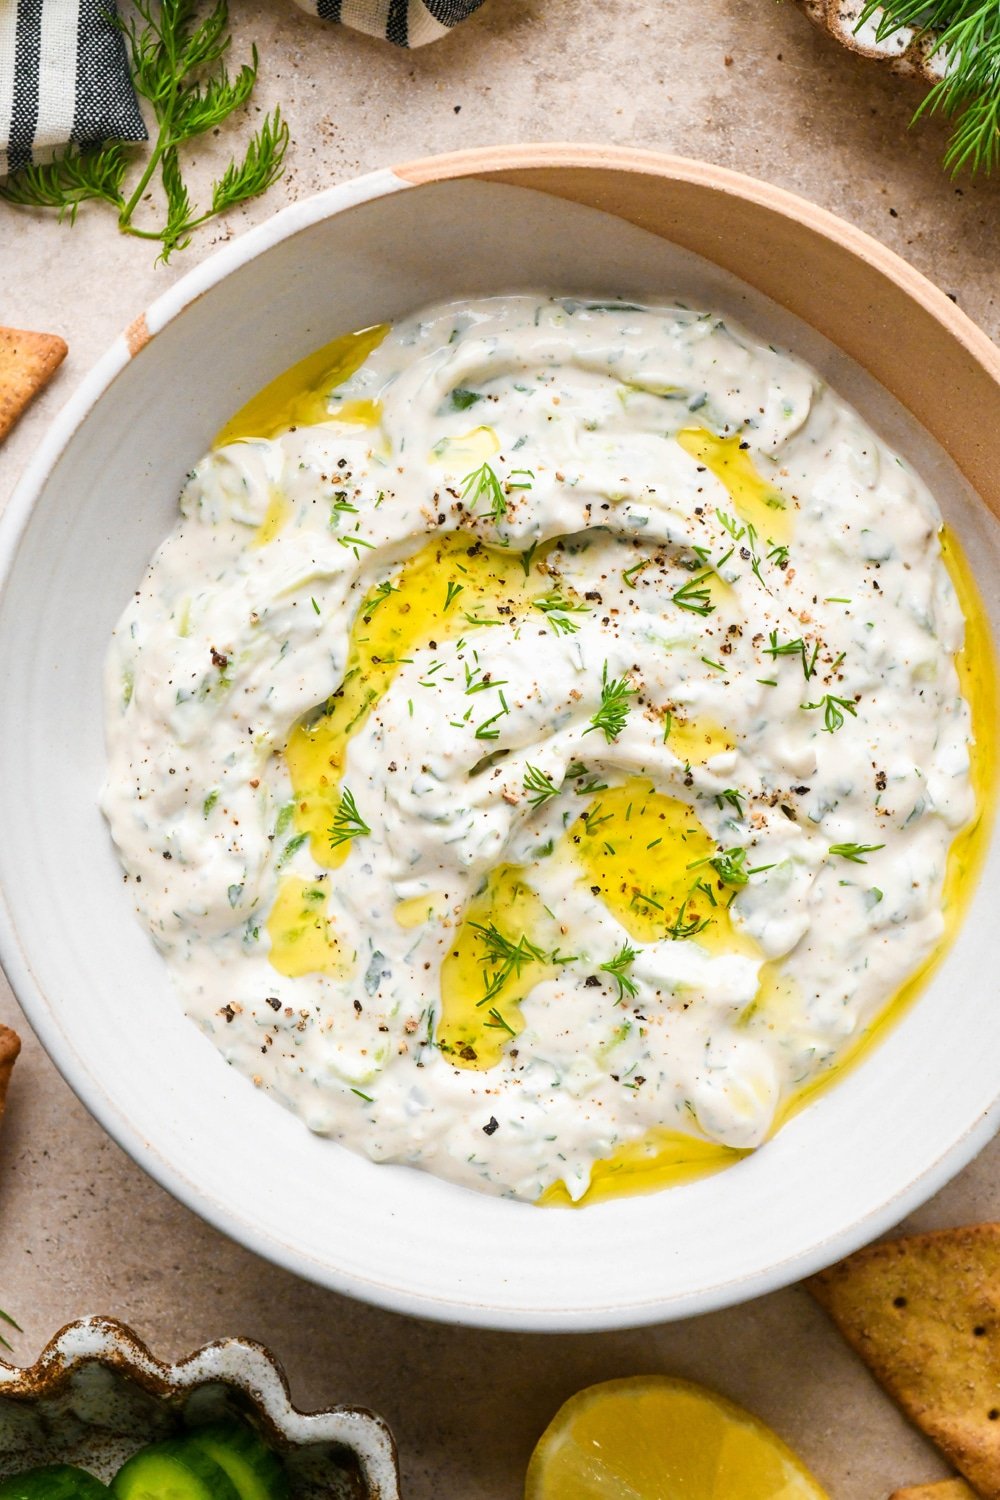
{"x":508,"y":163}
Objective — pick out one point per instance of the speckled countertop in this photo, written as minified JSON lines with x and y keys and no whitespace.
{"x":745,"y":83}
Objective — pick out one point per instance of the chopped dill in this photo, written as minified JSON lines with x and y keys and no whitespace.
{"x":834,"y":709}
{"x":854,"y":852}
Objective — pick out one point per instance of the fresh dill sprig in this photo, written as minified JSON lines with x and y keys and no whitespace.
{"x":502,"y":950}
{"x":798,"y":648}
{"x":480,"y":484}
{"x":72,"y":179}
{"x":6,"y":1318}
{"x":733,"y":798}
{"x":854,"y":852}
{"x":347,"y":821}
{"x":508,"y":958}
{"x":618,"y":968}
{"x":965,"y":33}
{"x":557,"y":608}
{"x":610,"y":717}
{"x":451,"y":594}
{"x":784,"y":648}
{"x":694,"y":596}
{"x":832,"y":706}
{"x":178,"y":66}
{"x":540,"y":786}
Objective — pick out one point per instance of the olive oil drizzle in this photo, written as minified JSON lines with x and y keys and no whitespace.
{"x":300,"y":396}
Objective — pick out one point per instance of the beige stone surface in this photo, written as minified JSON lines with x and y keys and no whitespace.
{"x":748,"y":84}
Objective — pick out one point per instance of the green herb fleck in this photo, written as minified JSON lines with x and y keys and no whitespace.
{"x":854,"y":852}
{"x":461,"y":399}
{"x":289,"y":849}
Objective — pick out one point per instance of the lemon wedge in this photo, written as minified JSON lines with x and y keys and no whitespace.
{"x":655,"y":1438}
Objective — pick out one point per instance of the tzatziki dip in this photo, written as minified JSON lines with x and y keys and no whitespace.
{"x":539,"y":744}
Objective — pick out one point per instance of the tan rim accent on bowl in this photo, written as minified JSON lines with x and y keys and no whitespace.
{"x":874,"y":306}
{"x":137,"y":334}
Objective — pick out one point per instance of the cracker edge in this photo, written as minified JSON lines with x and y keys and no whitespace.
{"x":56,"y":349}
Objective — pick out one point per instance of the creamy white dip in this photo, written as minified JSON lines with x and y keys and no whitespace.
{"x":631,"y":833}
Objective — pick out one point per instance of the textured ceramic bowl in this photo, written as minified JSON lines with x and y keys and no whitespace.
{"x":101,"y":494}
{"x":96,"y":1394}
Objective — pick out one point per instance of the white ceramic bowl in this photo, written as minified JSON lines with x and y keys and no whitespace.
{"x":102,"y":493}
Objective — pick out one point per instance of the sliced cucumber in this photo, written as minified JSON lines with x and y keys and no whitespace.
{"x":53,"y":1482}
{"x":175,"y":1470}
{"x":255,"y":1470}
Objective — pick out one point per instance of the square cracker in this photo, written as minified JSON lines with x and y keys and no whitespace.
{"x":943,"y":1489}
{"x":924,"y":1315}
{"x":27,"y":363}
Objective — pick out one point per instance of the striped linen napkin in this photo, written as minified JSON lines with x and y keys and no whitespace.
{"x":64,"y":73}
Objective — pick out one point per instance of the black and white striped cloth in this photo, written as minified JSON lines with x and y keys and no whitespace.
{"x":64,"y":73}
{"x":63,"y":77}
{"x":408,"y":23}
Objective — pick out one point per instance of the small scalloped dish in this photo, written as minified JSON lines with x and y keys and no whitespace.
{"x":96,"y":1395}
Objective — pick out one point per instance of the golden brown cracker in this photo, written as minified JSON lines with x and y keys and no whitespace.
{"x":944,"y":1489}
{"x":27,"y":363}
{"x":924,"y":1315}
{"x":10,"y":1046}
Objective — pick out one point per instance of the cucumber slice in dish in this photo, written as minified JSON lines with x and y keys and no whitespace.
{"x":175,"y":1470}
{"x":256,"y":1472}
{"x":53,"y":1482}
